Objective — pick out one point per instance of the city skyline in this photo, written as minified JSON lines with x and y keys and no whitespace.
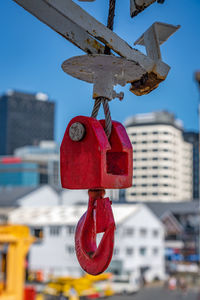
{"x":32,"y":54}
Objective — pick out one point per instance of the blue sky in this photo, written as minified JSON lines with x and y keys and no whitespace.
{"x":31,"y":55}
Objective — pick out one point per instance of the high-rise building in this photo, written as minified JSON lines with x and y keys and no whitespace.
{"x":25,"y":119}
{"x":162,"y":160}
{"x":193,"y":138}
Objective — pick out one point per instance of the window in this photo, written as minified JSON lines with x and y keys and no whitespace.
{"x":128,"y":231}
{"x":55,"y":230}
{"x":70,"y":249}
{"x":144,"y":168}
{"x":144,"y":142}
{"x":155,"y":141}
{"x":155,"y":158}
{"x":155,"y":167}
{"x":129,"y":251}
{"x":154,"y":176}
{"x":154,"y":184}
{"x":155,"y":150}
{"x":155,"y":132}
{"x":144,"y":150}
{"x":71,"y":229}
{"x":142,"y":251}
{"x":144,"y":194}
{"x":144,"y":176}
{"x":155,"y":251}
{"x":143,"y":232}
{"x":38,"y":233}
{"x":155,"y":232}
{"x":144,"y":133}
{"x":144,"y":185}
{"x":154,"y":194}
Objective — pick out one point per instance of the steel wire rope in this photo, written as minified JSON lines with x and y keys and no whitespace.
{"x":103,"y":100}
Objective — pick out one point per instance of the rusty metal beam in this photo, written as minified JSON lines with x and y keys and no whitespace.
{"x":75,"y":13}
{"x":54,"y":18}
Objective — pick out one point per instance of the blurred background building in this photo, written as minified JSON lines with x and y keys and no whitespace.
{"x":25,"y":119}
{"x":162,"y":232}
{"x":193,"y":138}
{"x":139,"y":248}
{"x":162,"y":159}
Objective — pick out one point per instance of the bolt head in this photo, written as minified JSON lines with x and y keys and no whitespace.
{"x":76,"y":131}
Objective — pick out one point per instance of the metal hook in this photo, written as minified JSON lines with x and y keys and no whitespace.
{"x":98,"y":218}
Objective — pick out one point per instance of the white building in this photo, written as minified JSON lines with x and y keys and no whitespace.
{"x":162,"y":160}
{"x":139,"y":242}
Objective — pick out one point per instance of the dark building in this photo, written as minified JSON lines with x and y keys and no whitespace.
{"x":25,"y":119}
{"x":193,"y":138}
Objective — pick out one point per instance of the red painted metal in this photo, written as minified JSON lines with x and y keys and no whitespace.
{"x":10,"y":160}
{"x":98,"y":218}
{"x":96,"y":162}
{"x":29,"y":293}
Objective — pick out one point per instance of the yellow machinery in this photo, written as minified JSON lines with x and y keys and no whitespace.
{"x":16,"y":240}
{"x":84,"y":286}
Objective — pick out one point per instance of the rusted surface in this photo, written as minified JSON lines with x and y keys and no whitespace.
{"x":53,"y":18}
{"x":146,"y":84}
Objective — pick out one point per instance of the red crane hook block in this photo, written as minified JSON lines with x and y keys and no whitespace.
{"x":98,"y":218}
{"x":88,"y":160}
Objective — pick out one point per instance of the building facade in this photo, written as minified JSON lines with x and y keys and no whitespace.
{"x":162,"y":160}
{"x":193,"y":138}
{"x":25,"y":119}
{"x":46,"y":155}
{"x":139,"y":240}
{"x":14,"y":172}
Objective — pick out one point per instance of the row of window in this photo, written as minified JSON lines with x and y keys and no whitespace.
{"x":151,"y":158}
{"x":129,"y":251}
{"x":152,"y":132}
{"x":153,"y":141}
{"x":129,"y":231}
{"x":152,"y":167}
{"x":153,"y":176}
{"x":142,"y":251}
{"x":153,"y":150}
{"x":153,"y":194}
{"x":56,"y":230}
{"x":153,"y":185}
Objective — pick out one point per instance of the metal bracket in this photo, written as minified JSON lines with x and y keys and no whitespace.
{"x":76,"y":25}
{"x":104,"y":71}
{"x":137,"y":6}
{"x":155,"y":36}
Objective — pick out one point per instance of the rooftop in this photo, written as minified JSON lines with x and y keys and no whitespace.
{"x":25,"y":96}
{"x":158,"y":117}
{"x":64,"y":215}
